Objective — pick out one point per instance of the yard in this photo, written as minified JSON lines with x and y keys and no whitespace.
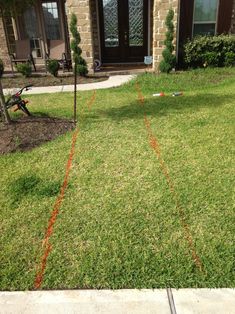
{"x":149,"y":201}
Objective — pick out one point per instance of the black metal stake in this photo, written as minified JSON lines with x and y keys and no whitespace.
{"x":75,"y":94}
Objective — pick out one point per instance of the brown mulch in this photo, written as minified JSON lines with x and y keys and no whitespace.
{"x":37,"y":81}
{"x":29,"y":132}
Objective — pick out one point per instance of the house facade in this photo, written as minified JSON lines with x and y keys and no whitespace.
{"x":114,"y":31}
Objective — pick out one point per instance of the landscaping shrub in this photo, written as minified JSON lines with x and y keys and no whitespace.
{"x":211,"y":59}
{"x":53,"y":67}
{"x":1,"y":68}
{"x":24,"y":68}
{"x":81,"y":65}
{"x":229,"y":59}
{"x":169,"y":59}
{"x":205,"y":51}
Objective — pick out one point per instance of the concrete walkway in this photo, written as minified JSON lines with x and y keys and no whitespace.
{"x":165,"y":301}
{"x":112,"y":81}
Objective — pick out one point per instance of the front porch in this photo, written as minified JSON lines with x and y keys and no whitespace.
{"x":108,"y":37}
{"x":44,"y":27}
{"x":113,"y":31}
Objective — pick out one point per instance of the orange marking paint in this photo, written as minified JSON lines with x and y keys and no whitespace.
{"x":153,"y":142}
{"x":91,"y":101}
{"x":46,"y":244}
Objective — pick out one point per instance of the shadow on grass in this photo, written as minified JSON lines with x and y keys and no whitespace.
{"x":32,"y":185}
{"x":163,"y":106}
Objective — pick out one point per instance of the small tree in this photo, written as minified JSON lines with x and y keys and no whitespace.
{"x":169,"y":59}
{"x":80,"y":66}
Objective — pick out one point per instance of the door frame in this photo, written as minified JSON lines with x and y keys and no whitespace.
{"x":124,"y":53}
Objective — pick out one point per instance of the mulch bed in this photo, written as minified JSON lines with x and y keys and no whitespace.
{"x":29,"y":132}
{"x":48,"y":80}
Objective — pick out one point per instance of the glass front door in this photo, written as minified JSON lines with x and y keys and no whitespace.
{"x":123,"y":25}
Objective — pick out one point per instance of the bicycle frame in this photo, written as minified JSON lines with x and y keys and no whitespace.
{"x":16,"y":100}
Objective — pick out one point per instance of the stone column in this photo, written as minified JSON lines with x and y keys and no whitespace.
{"x":160,"y":10}
{"x":82,"y":10}
{"x":4,"y":54}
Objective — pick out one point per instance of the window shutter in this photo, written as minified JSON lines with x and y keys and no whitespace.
{"x":186,"y":19}
{"x":185,"y":26}
{"x":224,"y":16}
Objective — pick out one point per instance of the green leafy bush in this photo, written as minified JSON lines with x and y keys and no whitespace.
{"x":229,"y":60}
{"x":169,"y":59}
{"x":211,"y":59}
{"x":24,"y":68}
{"x":1,"y":67}
{"x":53,"y":67}
{"x":205,"y":51}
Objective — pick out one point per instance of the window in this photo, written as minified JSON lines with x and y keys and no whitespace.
{"x":51,"y":17}
{"x":30,"y":23}
{"x":30,"y":30}
{"x":205,"y":16}
{"x":110,"y":11}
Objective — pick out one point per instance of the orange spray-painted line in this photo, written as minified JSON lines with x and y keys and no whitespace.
{"x":153,"y":142}
{"x":91,"y":101}
{"x":47,"y":246}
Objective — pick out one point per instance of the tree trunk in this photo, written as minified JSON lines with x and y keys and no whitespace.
{"x":3,"y":109}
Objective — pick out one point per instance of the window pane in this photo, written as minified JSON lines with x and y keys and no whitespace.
{"x":204,"y":29}
{"x":110,"y":11}
{"x":51,"y":17}
{"x":205,"y":10}
{"x":30,"y":23}
{"x":136,"y":28}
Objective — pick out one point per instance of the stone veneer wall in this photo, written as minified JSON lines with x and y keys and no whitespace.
{"x":160,"y":11}
{"x":95,"y":30}
{"x":4,"y":55}
{"x":83,"y":12}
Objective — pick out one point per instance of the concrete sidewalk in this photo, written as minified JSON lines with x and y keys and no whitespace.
{"x":163,"y":301}
{"x":112,"y":81}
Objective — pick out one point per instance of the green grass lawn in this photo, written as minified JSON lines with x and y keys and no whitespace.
{"x":119,"y":226}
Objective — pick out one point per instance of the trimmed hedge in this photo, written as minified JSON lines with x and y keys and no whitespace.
{"x":213,"y":51}
{"x":53,"y":67}
{"x":169,"y":59}
{"x":24,"y":68}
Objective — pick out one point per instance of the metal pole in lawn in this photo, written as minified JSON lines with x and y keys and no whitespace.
{"x":75,"y":94}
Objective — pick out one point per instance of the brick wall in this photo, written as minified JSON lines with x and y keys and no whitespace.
{"x":3,"y":47}
{"x":160,"y":11}
{"x":83,"y":12}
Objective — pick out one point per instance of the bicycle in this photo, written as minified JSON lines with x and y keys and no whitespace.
{"x":16,"y":100}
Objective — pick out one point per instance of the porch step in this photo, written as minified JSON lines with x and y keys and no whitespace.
{"x":127,"y":72}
